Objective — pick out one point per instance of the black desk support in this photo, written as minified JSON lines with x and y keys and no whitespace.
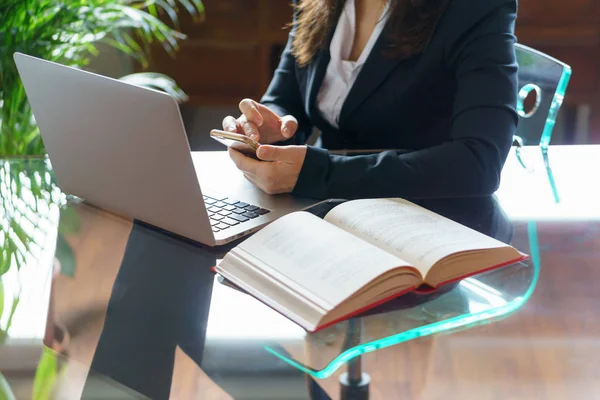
{"x":354,"y":384}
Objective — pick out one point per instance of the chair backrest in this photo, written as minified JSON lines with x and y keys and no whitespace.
{"x":546,"y":79}
{"x":543,"y":82}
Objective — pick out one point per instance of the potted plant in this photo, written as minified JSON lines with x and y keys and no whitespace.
{"x":67,"y":32}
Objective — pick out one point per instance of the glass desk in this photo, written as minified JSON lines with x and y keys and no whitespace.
{"x":128,"y":311}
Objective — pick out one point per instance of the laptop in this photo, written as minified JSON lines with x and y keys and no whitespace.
{"x":124,"y":148}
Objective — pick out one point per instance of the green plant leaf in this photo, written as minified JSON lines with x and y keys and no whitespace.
{"x":66,"y":256}
{"x":190,"y":7}
{"x":69,"y":220}
{"x":1,"y":297}
{"x":5,"y":391}
{"x":67,"y":33}
{"x":24,"y":238}
{"x":152,"y":9}
{"x":13,"y":310}
{"x":6,"y":255}
{"x":168,"y":7}
{"x":200,"y":5}
{"x":45,"y":376}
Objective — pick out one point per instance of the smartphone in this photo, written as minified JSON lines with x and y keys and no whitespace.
{"x":236,"y":141}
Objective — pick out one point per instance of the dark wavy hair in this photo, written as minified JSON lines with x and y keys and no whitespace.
{"x":411,"y":26}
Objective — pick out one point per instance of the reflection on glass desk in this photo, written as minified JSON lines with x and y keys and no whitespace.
{"x":480,"y":299}
{"x":140,"y":308}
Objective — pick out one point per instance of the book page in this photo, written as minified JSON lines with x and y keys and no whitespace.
{"x":408,"y":231}
{"x":317,"y":256}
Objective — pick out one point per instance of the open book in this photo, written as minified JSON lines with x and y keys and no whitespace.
{"x":364,"y":252}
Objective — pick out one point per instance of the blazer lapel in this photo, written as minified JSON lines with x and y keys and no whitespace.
{"x":373,"y":73}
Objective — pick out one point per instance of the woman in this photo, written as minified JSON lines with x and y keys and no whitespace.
{"x":433,"y":78}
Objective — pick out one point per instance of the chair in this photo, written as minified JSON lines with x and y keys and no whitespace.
{"x":543,"y":82}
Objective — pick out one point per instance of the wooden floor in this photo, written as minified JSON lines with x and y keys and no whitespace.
{"x":550,"y":349}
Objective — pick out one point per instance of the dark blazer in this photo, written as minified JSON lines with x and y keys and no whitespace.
{"x":452,"y":107}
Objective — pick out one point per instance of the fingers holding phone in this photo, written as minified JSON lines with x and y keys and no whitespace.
{"x":236,"y":141}
{"x":260,"y":123}
{"x":277,"y":169}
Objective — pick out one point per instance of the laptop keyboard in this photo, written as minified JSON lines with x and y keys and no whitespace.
{"x":225,"y":212}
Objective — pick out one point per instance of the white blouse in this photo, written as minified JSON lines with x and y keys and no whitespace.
{"x":341,"y":74}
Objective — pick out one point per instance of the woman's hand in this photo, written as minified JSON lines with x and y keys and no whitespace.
{"x":277,"y":172}
{"x":260,"y":123}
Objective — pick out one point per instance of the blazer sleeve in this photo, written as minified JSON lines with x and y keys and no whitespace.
{"x":483,"y":123}
{"x":283,"y":94}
